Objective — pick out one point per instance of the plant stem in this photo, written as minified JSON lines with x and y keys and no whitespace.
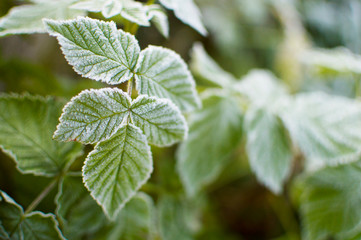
{"x":42,"y":195}
{"x":150,"y":2}
{"x":130,"y":87}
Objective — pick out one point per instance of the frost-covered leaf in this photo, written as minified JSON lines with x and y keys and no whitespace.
{"x":330,"y":201}
{"x":34,"y":225}
{"x":96,"y":49}
{"x":188,"y":12}
{"x":339,"y":60}
{"x":261,"y":87}
{"x":117,"y":168}
{"x":93,"y":115}
{"x":162,"y":73}
{"x":159,"y":18}
{"x":28,"y":18}
{"x":160,"y":120}
{"x":136,"y":12}
{"x":78,"y":211}
{"x":326,"y":128}
{"x":109,"y":8}
{"x":174,"y":222}
{"x":205,"y":67}
{"x":214,"y":133}
{"x":268,"y":148}
{"x":26,"y":127}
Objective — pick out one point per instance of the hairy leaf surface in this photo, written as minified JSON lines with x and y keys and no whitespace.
{"x":28,"y":18}
{"x":268,"y":148}
{"x":326,"y":128}
{"x":330,"y":201}
{"x":78,"y":211}
{"x":162,"y":73}
{"x":117,"y":168}
{"x":96,"y":49}
{"x":26,"y":127}
{"x":214,"y":133}
{"x":34,"y":225}
{"x":160,"y":120}
{"x":188,"y":12}
{"x":160,"y":19}
{"x":93,"y":115}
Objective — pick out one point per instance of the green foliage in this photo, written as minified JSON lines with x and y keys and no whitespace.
{"x":26,"y":129}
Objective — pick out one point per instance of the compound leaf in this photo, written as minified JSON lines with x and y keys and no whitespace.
{"x":26,"y":128}
{"x":34,"y":225}
{"x":268,"y":148}
{"x":78,"y":211}
{"x":160,"y":120}
{"x":162,"y":73}
{"x":117,"y":168}
{"x":188,"y":12}
{"x":329,"y":201}
{"x":214,"y":133}
{"x":28,"y":18}
{"x":96,"y":49}
{"x":326,"y":128}
{"x":93,"y":115}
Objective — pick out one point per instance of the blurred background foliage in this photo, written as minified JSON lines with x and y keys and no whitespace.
{"x":243,"y":34}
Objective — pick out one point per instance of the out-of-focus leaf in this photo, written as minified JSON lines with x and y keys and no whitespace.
{"x":215,"y":132}
{"x":34,"y":225}
{"x":28,"y":18}
{"x":26,"y":127}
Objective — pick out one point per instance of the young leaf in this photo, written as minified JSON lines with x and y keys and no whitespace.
{"x":78,"y":211}
{"x":28,"y":18}
{"x":35,"y":225}
{"x":93,"y":115}
{"x":159,"y":18}
{"x":96,"y":49}
{"x":330,"y":201}
{"x":268,"y":148}
{"x":214,"y":133}
{"x":136,"y":12}
{"x":160,"y":120}
{"x":162,"y":73}
{"x":326,"y":128}
{"x":26,"y":129}
{"x":187,"y":12}
{"x":205,"y":67}
{"x":117,"y":168}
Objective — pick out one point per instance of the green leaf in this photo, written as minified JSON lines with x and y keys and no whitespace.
{"x":160,"y":120}
{"x":28,"y":18}
{"x":174,"y":223}
{"x":79,"y":212}
{"x":326,"y":128}
{"x":96,"y":49}
{"x":136,"y":12}
{"x":159,"y":18}
{"x":117,"y":168}
{"x":214,"y":134}
{"x":26,"y":129}
{"x":35,"y":225}
{"x":268,"y":148}
{"x":330,"y":201}
{"x":135,"y":221}
{"x":109,"y":8}
{"x":205,"y":67}
{"x":162,"y":73}
{"x":188,"y":12}
{"x":3,"y":233}
{"x":261,"y":88}
{"x":339,"y":60}
{"x":93,"y":115}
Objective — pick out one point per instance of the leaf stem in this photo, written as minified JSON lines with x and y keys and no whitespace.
{"x":130,"y":87}
{"x":150,"y":2}
{"x":42,"y":195}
